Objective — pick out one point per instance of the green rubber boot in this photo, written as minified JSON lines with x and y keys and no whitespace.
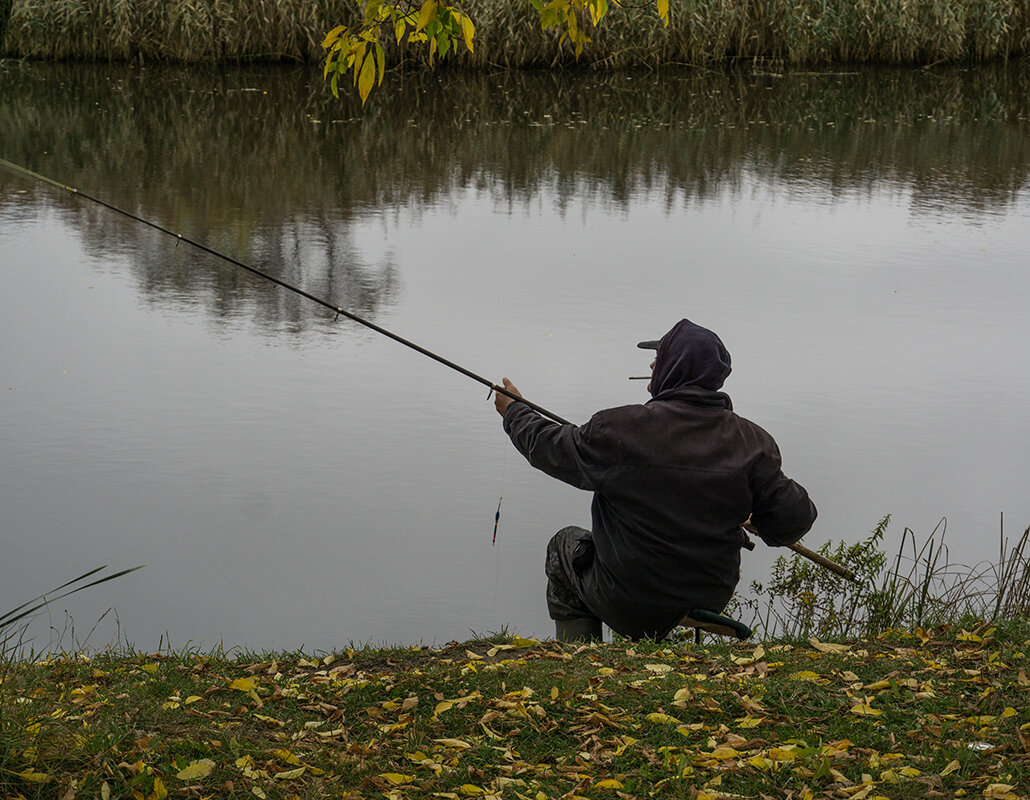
{"x":584,"y":629}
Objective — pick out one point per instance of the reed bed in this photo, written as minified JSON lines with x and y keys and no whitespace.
{"x":918,"y":589}
{"x":508,"y":33}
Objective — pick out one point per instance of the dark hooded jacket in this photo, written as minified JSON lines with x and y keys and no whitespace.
{"x":673,"y":480}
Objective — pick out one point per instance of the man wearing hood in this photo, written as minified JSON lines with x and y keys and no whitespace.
{"x":674,"y":480}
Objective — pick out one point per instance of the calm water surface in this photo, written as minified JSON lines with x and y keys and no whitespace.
{"x":859,"y":241}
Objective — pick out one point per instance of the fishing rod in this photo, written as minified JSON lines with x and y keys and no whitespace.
{"x":262,"y":274}
{"x":340,"y":312}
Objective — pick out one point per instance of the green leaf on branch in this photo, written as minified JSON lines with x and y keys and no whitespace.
{"x":443,"y":28}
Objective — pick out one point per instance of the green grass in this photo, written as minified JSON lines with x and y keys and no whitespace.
{"x":895,"y":716}
{"x":508,"y":33}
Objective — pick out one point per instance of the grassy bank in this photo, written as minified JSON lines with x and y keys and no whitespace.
{"x":938,"y":712}
{"x":508,"y":33}
{"x":923,"y":708}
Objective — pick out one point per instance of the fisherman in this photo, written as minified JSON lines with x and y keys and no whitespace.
{"x":674,"y":482}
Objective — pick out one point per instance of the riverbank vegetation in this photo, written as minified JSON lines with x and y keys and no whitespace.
{"x":508,"y":32}
{"x":918,"y":713}
{"x":917,"y":586}
{"x":930,"y":702}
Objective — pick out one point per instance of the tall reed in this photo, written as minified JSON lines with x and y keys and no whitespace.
{"x":508,"y":31}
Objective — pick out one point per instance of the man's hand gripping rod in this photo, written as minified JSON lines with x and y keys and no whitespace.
{"x":811,"y":555}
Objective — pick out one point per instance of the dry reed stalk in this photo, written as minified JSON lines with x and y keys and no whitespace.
{"x":508,"y":33}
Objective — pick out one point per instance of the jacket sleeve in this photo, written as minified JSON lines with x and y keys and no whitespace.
{"x":781,"y":510}
{"x":562,"y":451}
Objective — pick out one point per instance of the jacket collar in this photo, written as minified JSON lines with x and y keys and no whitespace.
{"x":696,"y":396}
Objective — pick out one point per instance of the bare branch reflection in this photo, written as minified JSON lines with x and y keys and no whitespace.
{"x":262,"y":163}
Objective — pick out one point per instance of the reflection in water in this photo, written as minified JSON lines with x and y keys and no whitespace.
{"x":265,"y":165}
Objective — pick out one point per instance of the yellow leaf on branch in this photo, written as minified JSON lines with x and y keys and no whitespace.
{"x":663,"y":12}
{"x":427,"y":14}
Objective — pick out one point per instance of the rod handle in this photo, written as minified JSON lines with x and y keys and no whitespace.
{"x":824,"y":562}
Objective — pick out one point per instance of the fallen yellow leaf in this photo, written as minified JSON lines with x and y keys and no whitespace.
{"x":457,"y":744}
{"x":32,"y":776}
{"x":289,"y":774}
{"x":865,"y":710}
{"x":396,"y":778}
{"x":624,"y":742}
{"x":662,"y":719}
{"x":1000,"y":791}
{"x":159,"y":792}
{"x":827,"y":647}
{"x":198,"y":769}
{"x":608,"y":783}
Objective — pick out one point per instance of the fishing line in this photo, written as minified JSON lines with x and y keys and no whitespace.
{"x":261,"y":274}
{"x":798,"y":548}
{"x":493,"y":543}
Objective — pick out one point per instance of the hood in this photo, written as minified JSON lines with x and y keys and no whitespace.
{"x":689,"y":355}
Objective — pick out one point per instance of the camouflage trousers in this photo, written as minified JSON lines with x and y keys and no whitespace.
{"x":569,"y":568}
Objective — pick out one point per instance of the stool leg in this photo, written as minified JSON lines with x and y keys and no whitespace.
{"x":697,"y":636}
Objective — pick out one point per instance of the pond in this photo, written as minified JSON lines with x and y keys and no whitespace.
{"x":858,"y":239}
